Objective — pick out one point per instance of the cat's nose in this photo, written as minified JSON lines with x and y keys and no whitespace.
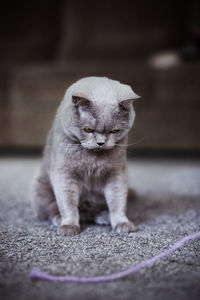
{"x":100,"y":144}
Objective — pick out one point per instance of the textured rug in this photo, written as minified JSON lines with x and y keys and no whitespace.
{"x":165,"y":209}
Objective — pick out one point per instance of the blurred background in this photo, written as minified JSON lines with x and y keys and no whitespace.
{"x":152,"y":45}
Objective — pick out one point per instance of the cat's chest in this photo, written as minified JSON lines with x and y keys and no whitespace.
{"x":92,"y":170}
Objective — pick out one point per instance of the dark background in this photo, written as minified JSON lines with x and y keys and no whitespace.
{"x":152,"y":45}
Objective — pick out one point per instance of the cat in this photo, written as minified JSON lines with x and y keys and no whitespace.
{"x":83,"y":175}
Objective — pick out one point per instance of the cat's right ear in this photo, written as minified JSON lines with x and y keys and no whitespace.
{"x":80,"y":101}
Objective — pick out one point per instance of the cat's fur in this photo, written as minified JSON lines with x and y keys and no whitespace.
{"x":78,"y":178}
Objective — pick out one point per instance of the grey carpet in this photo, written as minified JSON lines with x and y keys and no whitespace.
{"x":166,"y":208}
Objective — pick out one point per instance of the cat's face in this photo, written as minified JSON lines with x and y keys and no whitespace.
{"x":101,"y":128}
{"x":96,"y":113}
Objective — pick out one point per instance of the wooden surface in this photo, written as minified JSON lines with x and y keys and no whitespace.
{"x":167,"y":115}
{"x":44,"y":50}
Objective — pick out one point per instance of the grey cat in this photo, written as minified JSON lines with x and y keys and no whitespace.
{"x":83,"y":175}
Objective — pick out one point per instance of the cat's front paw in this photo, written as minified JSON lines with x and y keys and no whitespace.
{"x":68,"y":230}
{"x":124,"y":227}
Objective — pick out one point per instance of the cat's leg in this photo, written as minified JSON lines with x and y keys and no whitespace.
{"x":56,"y":220}
{"x":44,"y":203}
{"x":93,"y":208}
{"x":103,"y":218}
{"x":116,"y":197}
{"x":67,"y":194}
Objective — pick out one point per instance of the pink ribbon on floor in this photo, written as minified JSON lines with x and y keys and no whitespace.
{"x":38,"y":274}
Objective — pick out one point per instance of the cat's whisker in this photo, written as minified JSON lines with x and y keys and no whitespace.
{"x":133,"y":144}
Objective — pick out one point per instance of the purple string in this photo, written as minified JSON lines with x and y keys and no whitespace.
{"x":38,"y":274}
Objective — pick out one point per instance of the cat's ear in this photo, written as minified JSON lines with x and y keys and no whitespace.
{"x":125,"y":104}
{"x":80,"y":101}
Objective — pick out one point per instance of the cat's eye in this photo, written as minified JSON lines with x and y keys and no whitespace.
{"x":87,"y":129}
{"x":114,"y":131}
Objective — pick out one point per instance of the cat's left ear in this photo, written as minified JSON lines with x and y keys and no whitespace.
{"x":80,"y":101}
{"x":126,"y":103}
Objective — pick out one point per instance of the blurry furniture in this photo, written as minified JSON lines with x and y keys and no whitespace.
{"x":52,"y":48}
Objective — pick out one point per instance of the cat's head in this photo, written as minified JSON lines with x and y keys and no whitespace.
{"x":101,"y":112}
